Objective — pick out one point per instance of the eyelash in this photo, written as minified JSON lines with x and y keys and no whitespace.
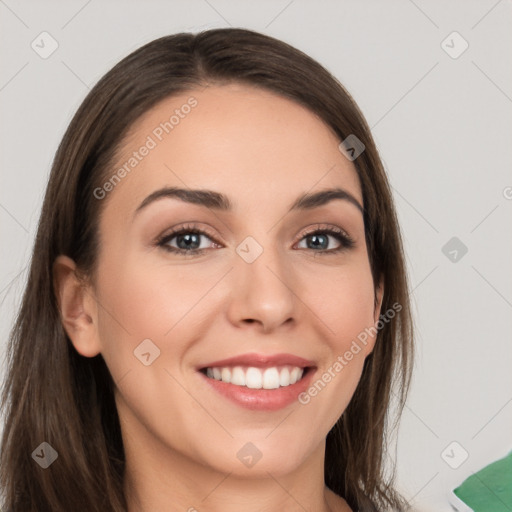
{"x":346,"y":242}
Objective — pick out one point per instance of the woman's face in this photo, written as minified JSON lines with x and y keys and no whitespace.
{"x":261,"y":285}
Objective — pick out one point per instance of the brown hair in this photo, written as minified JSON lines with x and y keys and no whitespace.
{"x":53,"y":394}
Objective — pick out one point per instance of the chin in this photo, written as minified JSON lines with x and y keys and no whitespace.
{"x":255,"y":456}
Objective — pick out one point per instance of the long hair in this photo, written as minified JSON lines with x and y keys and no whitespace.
{"x":52,"y":394}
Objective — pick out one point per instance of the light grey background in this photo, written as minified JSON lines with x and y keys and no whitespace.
{"x":443,"y":126}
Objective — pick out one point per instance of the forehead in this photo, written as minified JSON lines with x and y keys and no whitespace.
{"x":247,"y":142}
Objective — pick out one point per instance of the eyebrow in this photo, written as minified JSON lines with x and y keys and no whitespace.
{"x":218,"y":201}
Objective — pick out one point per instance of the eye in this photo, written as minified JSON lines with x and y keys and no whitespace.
{"x":192,"y":240}
{"x":186,"y":240}
{"x":321,"y":240}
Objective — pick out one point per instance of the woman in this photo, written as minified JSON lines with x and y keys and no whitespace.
{"x":217,"y":305}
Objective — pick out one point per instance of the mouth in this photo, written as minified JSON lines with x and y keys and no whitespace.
{"x":259,"y":382}
{"x":252,"y":377}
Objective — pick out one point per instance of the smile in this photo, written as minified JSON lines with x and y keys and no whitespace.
{"x":259,"y":382}
{"x":257,"y":378}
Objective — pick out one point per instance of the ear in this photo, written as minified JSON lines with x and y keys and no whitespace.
{"x":77,"y":306}
{"x":379,"y":294}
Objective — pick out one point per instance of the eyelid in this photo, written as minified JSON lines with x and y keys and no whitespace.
{"x":346,"y":241}
{"x":310,"y":230}
{"x":187,"y":226}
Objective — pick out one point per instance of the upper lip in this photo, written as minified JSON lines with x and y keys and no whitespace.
{"x":261,"y":361}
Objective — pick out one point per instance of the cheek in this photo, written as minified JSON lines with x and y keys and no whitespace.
{"x":344,"y":302}
{"x":145,"y":318}
{"x":149,"y":299}
{"x":136,"y":306}
{"x":145,"y":300}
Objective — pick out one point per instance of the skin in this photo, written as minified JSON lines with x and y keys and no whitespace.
{"x":181,"y":438}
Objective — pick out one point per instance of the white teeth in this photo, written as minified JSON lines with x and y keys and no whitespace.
{"x":226,"y":374}
{"x":257,"y":378}
{"x":284,"y":377}
{"x":254,"y":378}
{"x":295,"y":375}
{"x":271,"y":378}
{"x":238,"y":376}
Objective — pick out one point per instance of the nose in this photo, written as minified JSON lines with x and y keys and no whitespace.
{"x":263,"y":293}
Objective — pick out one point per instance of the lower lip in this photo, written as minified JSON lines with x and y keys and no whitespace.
{"x":261,"y":399}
